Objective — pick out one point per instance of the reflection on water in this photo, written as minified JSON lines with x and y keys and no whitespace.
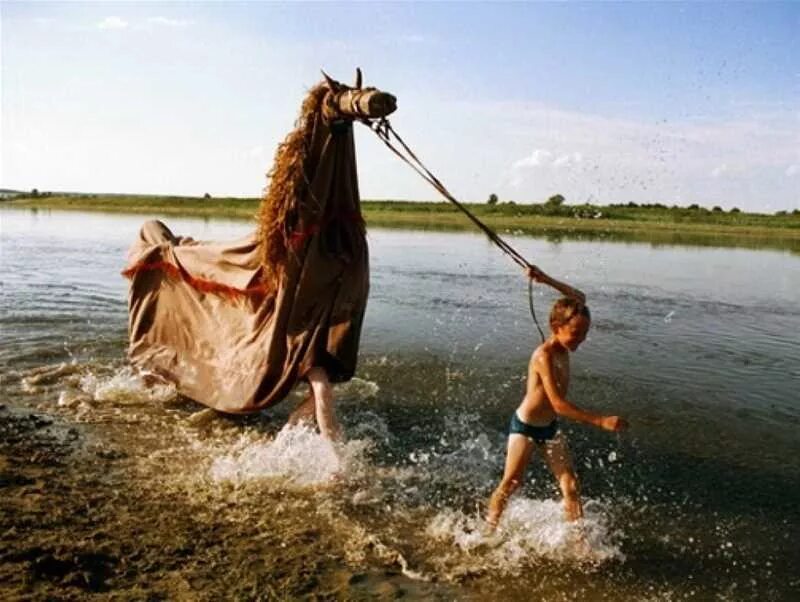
{"x":697,"y":346}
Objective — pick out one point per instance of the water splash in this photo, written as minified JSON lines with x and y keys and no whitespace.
{"x":77,"y":383}
{"x":530,"y":530}
{"x":36,"y":380}
{"x":127,"y":386}
{"x":425,"y":493}
{"x":298,"y":454}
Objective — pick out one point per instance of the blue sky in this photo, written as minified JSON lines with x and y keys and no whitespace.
{"x":662,"y":102}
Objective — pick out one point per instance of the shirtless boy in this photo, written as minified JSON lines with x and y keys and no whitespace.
{"x":534,"y":426}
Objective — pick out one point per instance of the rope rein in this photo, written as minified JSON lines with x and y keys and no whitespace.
{"x":384,"y":130}
{"x":533,"y":311}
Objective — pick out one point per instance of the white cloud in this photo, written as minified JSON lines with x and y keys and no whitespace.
{"x":167,"y":22}
{"x":792,"y":170}
{"x":623,"y":160}
{"x":544,"y":158}
{"x":112,"y":23}
{"x":567,"y":160}
{"x":537,"y":158}
{"x":719,"y":170}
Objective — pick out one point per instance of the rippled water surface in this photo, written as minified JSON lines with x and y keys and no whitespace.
{"x":697,"y":347}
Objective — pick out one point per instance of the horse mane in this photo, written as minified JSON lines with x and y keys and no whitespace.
{"x":277,"y":215}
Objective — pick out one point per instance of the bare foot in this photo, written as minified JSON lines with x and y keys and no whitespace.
{"x":580,"y":541}
{"x":489,"y":528}
{"x":491,"y":521}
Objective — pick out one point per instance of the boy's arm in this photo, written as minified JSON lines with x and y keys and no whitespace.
{"x":565,"y":289}
{"x":563,"y":407}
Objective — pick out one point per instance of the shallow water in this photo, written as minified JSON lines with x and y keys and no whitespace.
{"x":698,"y":347}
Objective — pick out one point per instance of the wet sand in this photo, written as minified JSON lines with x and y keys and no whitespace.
{"x":80,"y":516}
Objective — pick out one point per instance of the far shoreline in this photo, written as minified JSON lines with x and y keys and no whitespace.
{"x":656,"y":224}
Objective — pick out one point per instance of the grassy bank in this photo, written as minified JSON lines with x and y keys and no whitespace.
{"x":656,"y":224}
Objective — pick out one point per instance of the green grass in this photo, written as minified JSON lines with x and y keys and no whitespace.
{"x":231,"y":207}
{"x":656,"y":224}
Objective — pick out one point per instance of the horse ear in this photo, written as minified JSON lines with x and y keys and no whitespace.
{"x":332,"y":83}
{"x":358,"y":78}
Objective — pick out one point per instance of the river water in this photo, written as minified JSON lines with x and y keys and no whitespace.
{"x":124,"y":490}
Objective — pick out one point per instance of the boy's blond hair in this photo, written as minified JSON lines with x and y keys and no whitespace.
{"x":565,"y":309}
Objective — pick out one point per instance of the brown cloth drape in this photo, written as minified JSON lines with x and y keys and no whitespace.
{"x":199,"y":316}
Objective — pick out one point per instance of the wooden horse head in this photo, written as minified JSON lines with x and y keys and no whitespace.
{"x":356,"y":102}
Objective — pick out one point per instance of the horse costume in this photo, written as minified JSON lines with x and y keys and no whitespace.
{"x":235,"y":325}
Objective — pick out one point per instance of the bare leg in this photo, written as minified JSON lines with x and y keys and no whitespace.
{"x":323,"y":396}
{"x":519,"y":453}
{"x":560,"y":462}
{"x":305,"y":410}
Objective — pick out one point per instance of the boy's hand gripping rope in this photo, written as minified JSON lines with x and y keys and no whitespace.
{"x":384,"y":130}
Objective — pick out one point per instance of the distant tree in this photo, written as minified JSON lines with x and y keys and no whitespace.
{"x":694,"y":206}
{"x":206,"y":196}
{"x":796,"y":212}
{"x":35,"y":192}
{"x":632,"y":204}
{"x":735,"y":210}
{"x":782,"y":213}
{"x":492,"y":199}
{"x":556,"y":200}
{"x":716,"y":209}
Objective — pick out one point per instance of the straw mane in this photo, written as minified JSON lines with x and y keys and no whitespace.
{"x":277,"y":215}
